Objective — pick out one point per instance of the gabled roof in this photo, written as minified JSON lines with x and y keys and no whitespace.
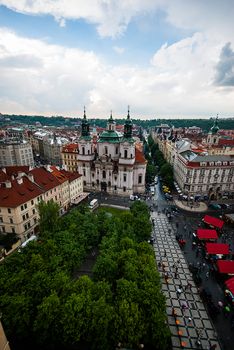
{"x":19,"y":193}
{"x":44,"y":178}
{"x":139,"y":156}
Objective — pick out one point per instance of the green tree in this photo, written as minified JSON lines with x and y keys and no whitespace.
{"x":49,"y":216}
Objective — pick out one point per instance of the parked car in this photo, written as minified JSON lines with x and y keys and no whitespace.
{"x":168,"y":196}
{"x":214,"y":206}
{"x":224,"y":205}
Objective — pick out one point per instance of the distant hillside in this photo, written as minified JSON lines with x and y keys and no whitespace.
{"x":205,"y":124}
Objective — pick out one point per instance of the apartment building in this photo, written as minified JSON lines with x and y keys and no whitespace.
{"x":14,"y":152}
{"x":22,"y":188}
{"x":211,"y":175}
{"x":70,"y":156}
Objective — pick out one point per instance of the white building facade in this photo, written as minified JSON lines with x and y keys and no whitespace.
{"x":115,"y":165}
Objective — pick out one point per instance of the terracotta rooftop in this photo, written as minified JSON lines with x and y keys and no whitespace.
{"x":44,"y":178}
{"x":18,"y":193}
{"x":226,"y":142}
{"x":70,"y":175}
{"x":71,"y":147}
{"x":139,"y":156}
{"x":58,"y":174}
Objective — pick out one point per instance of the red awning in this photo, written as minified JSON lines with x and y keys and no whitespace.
{"x":207,"y":234}
{"x":226,"y":266}
{"x":217,"y":248}
{"x":230,"y":284}
{"x":210,"y":220}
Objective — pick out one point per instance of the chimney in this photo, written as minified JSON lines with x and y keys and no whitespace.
{"x":19,"y":180}
{"x":31,"y":177}
{"x":8,"y":184}
{"x":21,"y":173}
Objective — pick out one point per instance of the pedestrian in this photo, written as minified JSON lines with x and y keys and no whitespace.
{"x":159,"y":264}
{"x":176,"y":274}
{"x":207,"y":275}
{"x":174,"y":312}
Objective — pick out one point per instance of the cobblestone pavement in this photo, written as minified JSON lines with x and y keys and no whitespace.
{"x":188,"y":321}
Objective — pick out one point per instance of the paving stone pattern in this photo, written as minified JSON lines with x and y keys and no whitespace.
{"x":187,"y":325}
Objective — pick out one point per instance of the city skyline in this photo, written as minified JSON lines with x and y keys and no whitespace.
{"x":166,"y":59}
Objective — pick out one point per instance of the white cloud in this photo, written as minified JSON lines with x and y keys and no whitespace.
{"x":119,"y":50}
{"x":113,"y":16}
{"x":40,"y":78}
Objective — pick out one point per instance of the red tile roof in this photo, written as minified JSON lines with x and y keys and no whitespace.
{"x":226,"y":142}
{"x":14,"y":170}
{"x":139,"y":157}
{"x":70,"y":175}
{"x":70,"y":148}
{"x":18,"y":193}
{"x":58,"y":174}
{"x":44,"y":178}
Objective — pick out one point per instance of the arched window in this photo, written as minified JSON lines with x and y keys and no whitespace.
{"x":104,"y":174}
{"x":125,"y":153}
{"x":83,"y":150}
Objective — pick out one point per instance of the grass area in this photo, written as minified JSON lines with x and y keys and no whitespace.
{"x":114,"y":211}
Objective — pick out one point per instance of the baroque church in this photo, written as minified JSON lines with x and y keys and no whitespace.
{"x":115,"y":163}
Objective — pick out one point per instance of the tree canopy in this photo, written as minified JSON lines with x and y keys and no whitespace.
{"x":44,"y":305}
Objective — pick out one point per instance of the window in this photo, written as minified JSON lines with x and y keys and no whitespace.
{"x":140,"y":179}
{"x":106,"y":150}
{"x":116,"y":150}
{"x":33,"y":211}
{"x":84,"y":183}
{"x":25,"y":206}
{"x":97,"y":182}
{"x":35,"y":220}
{"x":109,"y":183}
{"x":125,"y":178}
{"x":92,"y":184}
{"x":22,"y":207}
{"x":115,"y":188}
{"x":125,"y":153}
{"x":9,"y":210}
{"x":13,"y":230}
{"x":104,"y":174}
{"x":124,"y":189}
{"x":32,"y":202}
{"x":11,"y":221}
{"x":84,"y":172}
{"x":83,"y":150}
{"x":115,"y":178}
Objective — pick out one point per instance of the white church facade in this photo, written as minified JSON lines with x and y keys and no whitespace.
{"x":115,"y":164}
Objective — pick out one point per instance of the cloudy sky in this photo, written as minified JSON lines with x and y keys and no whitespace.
{"x":164,"y":58}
